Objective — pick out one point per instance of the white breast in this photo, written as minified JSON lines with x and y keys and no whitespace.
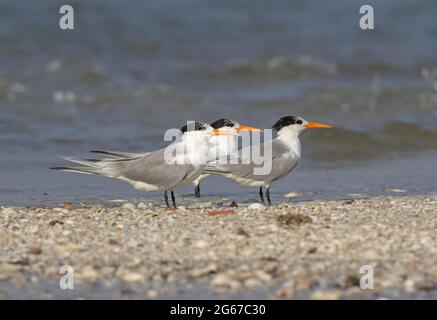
{"x":221,"y":146}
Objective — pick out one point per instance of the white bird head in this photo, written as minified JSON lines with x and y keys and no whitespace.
{"x":196,"y":138}
{"x":232,"y":126}
{"x":198,"y":131}
{"x":226,"y":141}
{"x":291,"y":125}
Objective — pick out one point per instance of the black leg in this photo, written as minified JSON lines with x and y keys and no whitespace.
{"x":268,"y":195}
{"x":261,"y":195}
{"x":173,"y":199}
{"x":197,"y":191}
{"x":166,"y":199}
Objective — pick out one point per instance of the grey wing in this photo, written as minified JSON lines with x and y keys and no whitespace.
{"x":238,"y":168}
{"x":148,"y":172}
{"x":154,"y":170}
{"x":282,"y":163}
{"x":118,"y":154}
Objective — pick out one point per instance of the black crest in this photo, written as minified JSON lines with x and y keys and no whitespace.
{"x":220,"y":123}
{"x":198,"y":126}
{"x":286,"y":121}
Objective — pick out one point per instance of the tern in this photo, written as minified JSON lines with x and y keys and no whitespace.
{"x":222,"y":145}
{"x":157,"y":170}
{"x":286,"y":154}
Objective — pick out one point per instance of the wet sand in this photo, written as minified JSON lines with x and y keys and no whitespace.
{"x":211,"y":250}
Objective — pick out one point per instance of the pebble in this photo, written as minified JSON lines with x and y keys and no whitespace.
{"x":34,"y":251}
{"x":8,"y":211}
{"x":7,"y":270}
{"x":65,"y":248}
{"x":133,"y":277}
{"x":370,"y":255}
{"x":409,"y":286}
{"x":132,"y":243}
{"x":201,"y":244}
{"x":290,"y":219}
{"x":239,"y":254}
{"x":142,"y":205}
{"x":88,"y":272}
{"x":33,"y":229}
{"x":225,"y":282}
{"x":285,"y":293}
{"x":256,"y":206}
{"x":55,"y":222}
{"x":333,"y":294}
{"x":252,"y":283}
{"x":304,"y":283}
{"x":68,"y":206}
{"x":262,"y":275}
{"x":152,"y":294}
{"x":199,"y":272}
{"x":129,"y":206}
{"x":203,"y":205}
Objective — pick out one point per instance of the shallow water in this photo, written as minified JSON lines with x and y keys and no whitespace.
{"x":131,"y":70}
{"x":395,"y":177}
{"x":49,"y":289}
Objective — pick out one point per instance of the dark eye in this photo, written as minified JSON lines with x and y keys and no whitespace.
{"x":299,"y":121}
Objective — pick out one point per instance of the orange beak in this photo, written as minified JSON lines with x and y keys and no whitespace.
{"x":247,"y":128}
{"x":313,"y":125}
{"x":218,"y":132}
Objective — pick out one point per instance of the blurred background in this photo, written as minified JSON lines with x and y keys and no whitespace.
{"x":132,"y":69}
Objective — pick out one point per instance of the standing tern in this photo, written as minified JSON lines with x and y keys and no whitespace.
{"x":222,"y":145}
{"x":157,"y":170}
{"x":286,"y":154}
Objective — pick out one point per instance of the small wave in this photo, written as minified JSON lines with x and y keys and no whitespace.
{"x":394,"y":137}
{"x":10,"y":91}
{"x":281,"y":67}
{"x":93,"y":75}
{"x":428,"y":98}
{"x":57,"y":65}
{"x":143,"y":47}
